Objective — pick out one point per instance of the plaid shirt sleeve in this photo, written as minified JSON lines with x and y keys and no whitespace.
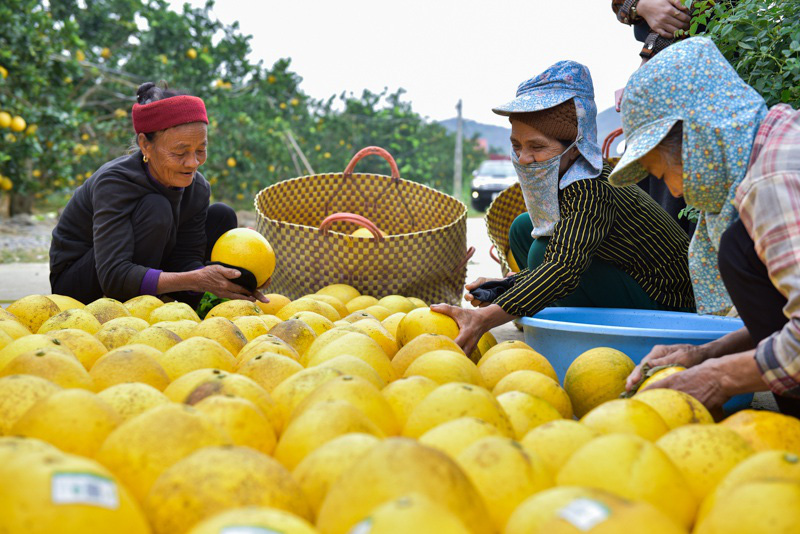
{"x":769,"y":205}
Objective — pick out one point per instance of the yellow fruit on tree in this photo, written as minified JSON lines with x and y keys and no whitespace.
{"x":317,"y":471}
{"x":675,"y":407}
{"x":454,"y":400}
{"x":498,"y":365}
{"x":18,"y":124}
{"x":219,"y":478}
{"x":242,"y":420}
{"x":397,"y":467}
{"x":5,"y":119}
{"x":504,"y":475}
{"x":74,"y":420}
{"x":33,"y":310}
{"x":174,"y":312}
{"x":526,"y":411}
{"x":555,"y":441}
{"x":79,"y":319}
{"x":704,"y":454}
{"x":633,"y":468}
{"x":53,"y":365}
{"x":191,"y":53}
{"x":424,"y":321}
{"x":538,"y":385}
{"x":254,"y":517}
{"x":343,"y":292}
{"x":105,"y":309}
{"x":132,"y":398}
{"x":247,"y":249}
{"x":193,"y":354}
{"x":452,"y":437}
{"x":413,"y":512}
{"x":626,"y":416}
{"x":45,"y":492}
{"x":421,"y":345}
{"x":766,"y":430}
{"x":131,"y":363}
{"x":140,"y":449}
{"x":18,"y":393}
{"x":596,"y":376}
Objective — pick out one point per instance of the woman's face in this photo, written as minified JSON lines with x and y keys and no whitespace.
{"x":175,"y":153}
{"x":532,"y":146}
{"x":663,"y":168}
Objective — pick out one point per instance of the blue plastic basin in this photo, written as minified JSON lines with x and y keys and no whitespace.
{"x":562,"y":334}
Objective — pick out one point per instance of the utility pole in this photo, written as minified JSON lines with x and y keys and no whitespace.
{"x":459,"y":156}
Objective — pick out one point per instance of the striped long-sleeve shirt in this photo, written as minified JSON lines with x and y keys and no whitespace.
{"x":622,"y":226}
{"x":768,"y":200}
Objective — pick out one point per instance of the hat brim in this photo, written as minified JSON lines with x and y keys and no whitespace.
{"x":530,"y":102}
{"x":629,"y":170}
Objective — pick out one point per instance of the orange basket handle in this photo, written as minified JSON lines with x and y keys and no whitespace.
{"x":467,"y":256}
{"x":493,"y":254}
{"x":372,"y":151}
{"x":360,"y":220}
{"x":609,"y":140}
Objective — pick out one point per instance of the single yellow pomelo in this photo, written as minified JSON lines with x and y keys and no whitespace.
{"x":12,"y":448}
{"x":132,"y":399}
{"x":307,"y":304}
{"x":538,"y":509}
{"x":360,"y":302}
{"x":193,"y":354}
{"x":365,"y":233}
{"x":173,"y":311}
{"x":418,"y":303}
{"x":358,"y":316}
{"x":74,"y":420}
{"x":758,"y":507}
{"x":142,"y":306}
{"x":131,"y":363}
{"x":183,"y":328}
{"x":83,"y":345}
{"x":115,"y":336}
{"x":454,"y":400}
{"x":485,"y":343}
{"x":269,"y":369}
{"x":317,"y":322}
{"x":361,"y":394}
{"x":343,"y":292}
{"x":504,"y":345}
{"x":504,"y":475}
{"x":131,"y":322}
{"x":396,"y":304}
{"x":361,"y":346}
{"x":411,"y":513}
{"x":242,"y":420}
{"x":220,"y":478}
{"x":538,"y":385}
{"x":704,"y":454}
{"x":5,"y":339}
{"x":319,"y":469}
{"x":661,"y":374}
{"x":266,"y":343}
{"x":53,"y":365}
{"x":633,"y":468}
{"x":496,"y":367}
{"x":17,"y":394}
{"x":157,"y":337}
{"x":419,"y":346}
{"x":378,"y":312}
{"x":675,"y":407}
{"x":350,"y":365}
{"x":424,"y":321}
{"x":224,"y":332}
{"x":247,"y":249}
{"x":294,"y":389}
{"x":596,"y":376}
{"x":296,"y":333}
{"x":141,"y":448}
{"x":443,"y":366}
{"x":335,"y":303}
{"x":374,"y":329}
{"x":251,"y":326}
{"x":48,"y":492}
{"x":526,"y":411}
{"x":231,"y":309}
{"x":263,"y":520}
{"x":555,"y":441}
{"x":391,"y":323}
{"x":404,"y":394}
{"x":627,"y":416}
{"x":65,"y":302}
{"x":452,"y":437}
{"x":14,"y":328}
{"x":33,"y":310}
{"x":317,"y":425}
{"x":74,"y":318}
{"x":29,"y":343}
{"x":276,"y":302}
{"x":270,"y":321}
{"x":766,"y":430}
{"x":105,"y":309}
{"x":397,"y":467}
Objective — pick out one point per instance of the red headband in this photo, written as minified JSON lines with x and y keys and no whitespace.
{"x":169,"y":112}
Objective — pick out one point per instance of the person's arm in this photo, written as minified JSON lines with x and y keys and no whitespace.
{"x":213,"y":278}
{"x":768,"y":208}
{"x":588,"y":214}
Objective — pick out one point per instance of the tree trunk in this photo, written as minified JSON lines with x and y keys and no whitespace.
{"x":20,"y":203}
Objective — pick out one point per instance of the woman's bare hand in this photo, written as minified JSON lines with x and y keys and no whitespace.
{"x":681,"y":354}
{"x":216,"y":279}
{"x":664,"y":17}
{"x":469,"y":297}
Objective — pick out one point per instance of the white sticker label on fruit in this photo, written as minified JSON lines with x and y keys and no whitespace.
{"x":364,"y":527}
{"x":584,"y":514}
{"x":84,"y":488}
{"x":245,"y":529}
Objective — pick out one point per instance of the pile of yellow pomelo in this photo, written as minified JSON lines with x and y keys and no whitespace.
{"x":342,"y":413}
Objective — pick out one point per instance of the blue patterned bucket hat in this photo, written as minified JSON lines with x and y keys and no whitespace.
{"x":554,"y":86}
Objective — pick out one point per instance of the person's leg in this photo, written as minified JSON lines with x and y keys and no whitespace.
{"x":759,"y":303}
{"x":602,"y":285}
{"x":220,"y":219}
{"x":520,"y":239}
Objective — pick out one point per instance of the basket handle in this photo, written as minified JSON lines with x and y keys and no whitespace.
{"x":493,"y":254}
{"x":360,"y":220}
{"x":467,"y":257}
{"x":372,"y":151}
{"x":609,"y":140}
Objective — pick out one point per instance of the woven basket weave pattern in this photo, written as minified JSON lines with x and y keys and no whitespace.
{"x":421,"y":257}
{"x":508,"y":205}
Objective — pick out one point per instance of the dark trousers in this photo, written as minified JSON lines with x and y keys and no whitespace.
{"x":152,"y":230}
{"x":759,"y":303}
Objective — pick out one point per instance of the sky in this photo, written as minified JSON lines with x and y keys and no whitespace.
{"x":439,"y":51}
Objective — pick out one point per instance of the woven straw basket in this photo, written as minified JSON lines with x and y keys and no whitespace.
{"x":308,"y":221}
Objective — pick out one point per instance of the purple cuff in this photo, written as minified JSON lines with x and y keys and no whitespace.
{"x":150,"y":282}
